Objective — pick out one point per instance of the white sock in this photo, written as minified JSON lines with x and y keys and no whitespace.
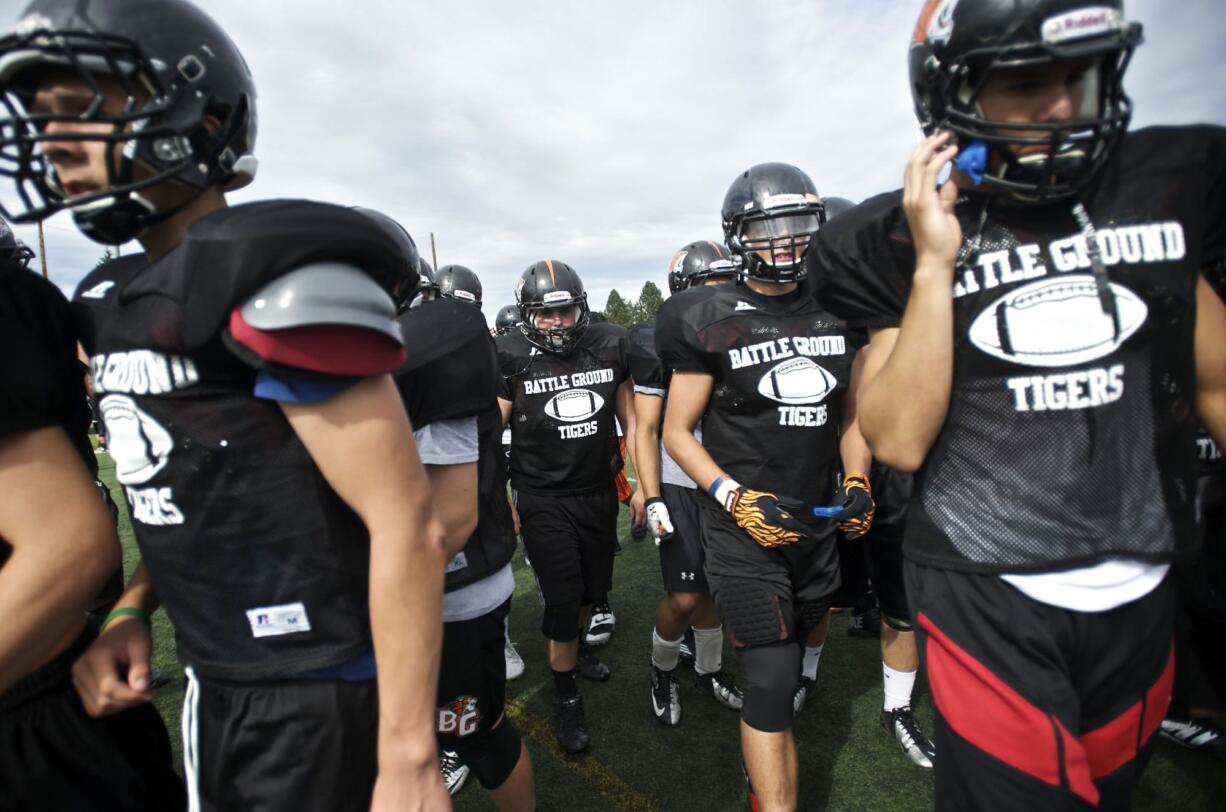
{"x":664,"y":653}
{"x":898,"y":686}
{"x":813,"y":655}
{"x":708,"y":650}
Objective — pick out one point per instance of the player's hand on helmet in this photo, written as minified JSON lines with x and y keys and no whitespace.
{"x":930,"y":210}
{"x":763,"y":515}
{"x":659,"y":523}
{"x":114,"y":673}
{"x":856,"y":517}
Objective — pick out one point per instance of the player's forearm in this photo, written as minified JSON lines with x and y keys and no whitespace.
{"x":647,"y":459}
{"x":853,"y":450}
{"x":903,"y":406}
{"x":406,"y":587}
{"x":691,"y":456}
{"x":139,"y":592}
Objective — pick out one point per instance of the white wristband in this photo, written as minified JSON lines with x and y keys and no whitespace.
{"x":724,"y":492}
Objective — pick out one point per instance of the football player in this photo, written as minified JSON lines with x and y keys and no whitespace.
{"x":564,"y":382}
{"x":450,"y":392}
{"x":57,"y":548}
{"x":240,"y":365}
{"x":506,"y":320}
{"x":1042,"y":343}
{"x":769,"y":374}
{"x":459,"y":282}
{"x":672,"y":514}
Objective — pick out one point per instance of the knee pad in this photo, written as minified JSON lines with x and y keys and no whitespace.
{"x":561,"y":622}
{"x":756,"y":615}
{"x":808,"y":615}
{"x":770,"y":675}
{"x":898,"y":624}
{"x":491,"y":754}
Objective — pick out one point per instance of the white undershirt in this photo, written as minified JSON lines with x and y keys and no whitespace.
{"x":1097,"y":588}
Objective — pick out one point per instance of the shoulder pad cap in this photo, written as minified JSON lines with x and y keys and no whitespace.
{"x":323,"y":293}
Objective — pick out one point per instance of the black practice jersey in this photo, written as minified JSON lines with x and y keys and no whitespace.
{"x":782,"y":366}
{"x":262,"y":568}
{"x":44,"y":385}
{"x":650,"y":376}
{"x":563,"y":436}
{"x":1070,"y":433}
{"x":452,"y":373}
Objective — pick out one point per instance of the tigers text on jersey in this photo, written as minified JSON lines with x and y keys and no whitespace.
{"x":563,"y":438}
{"x":782,"y":366}
{"x":261,"y":566}
{"x":1069,"y":435}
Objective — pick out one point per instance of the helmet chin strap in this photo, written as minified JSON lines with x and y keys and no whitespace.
{"x":1103,"y":284}
{"x":124,"y":219}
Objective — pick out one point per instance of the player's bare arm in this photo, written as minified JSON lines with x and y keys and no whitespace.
{"x":60,"y":557}
{"x":363,"y":445}
{"x":125,"y":645}
{"x":626,"y":419}
{"x":648,"y":417}
{"x":903,"y":405}
{"x":1211,"y":360}
{"x":454,"y":489}
{"x":688,"y":396}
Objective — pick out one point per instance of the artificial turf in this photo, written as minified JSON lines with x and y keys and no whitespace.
{"x":847,"y":762}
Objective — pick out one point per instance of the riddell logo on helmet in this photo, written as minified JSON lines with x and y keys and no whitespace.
{"x":1085,"y":22}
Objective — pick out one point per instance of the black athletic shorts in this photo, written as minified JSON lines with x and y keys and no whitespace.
{"x":570,"y":541}
{"x":1039,"y":707}
{"x":292,"y":744}
{"x":472,"y":680}
{"x":766,"y":595}
{"x":681,"y":556}
{"x":879,"y":554}
{"x":54,"y":756}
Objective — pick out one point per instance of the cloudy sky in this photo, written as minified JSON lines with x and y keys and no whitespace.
{"x":602,"y":134}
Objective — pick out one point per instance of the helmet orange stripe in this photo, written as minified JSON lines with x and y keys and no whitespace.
{"x":549,"y":265}
{"x":921,"y":26}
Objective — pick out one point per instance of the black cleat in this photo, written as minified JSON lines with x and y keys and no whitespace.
{"x":721,"y":686}
{"x":803,"y":691}
{"x":571,"y":730}
{"x":1196,"y":734}
{"x":590,"y":666}
{"x":865,"y":624}
{"x":688,"y":647}
{"x":665,"y":696}
{"x":901,"y":724}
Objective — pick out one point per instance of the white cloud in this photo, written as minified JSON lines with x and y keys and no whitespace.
{"x":604,"y":135}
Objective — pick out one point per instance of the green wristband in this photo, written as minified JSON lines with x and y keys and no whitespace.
{"x":125,"y":611}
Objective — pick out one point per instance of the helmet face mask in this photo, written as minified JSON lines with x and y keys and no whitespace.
{"x":953,"y":62}
{"x":546,"y":288}
{"x":770,"y":214}
{"x":12,"y":250}
{"x":172,"y":100}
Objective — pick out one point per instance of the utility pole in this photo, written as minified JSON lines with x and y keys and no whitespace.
{"x":433,"y":252}
{"x":42,"y":248}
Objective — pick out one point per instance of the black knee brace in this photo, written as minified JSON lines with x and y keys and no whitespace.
{"x":491,"y":754}
{"x":770,"y":675}
{"x":561,"y":622}
{"x":756,"y":615}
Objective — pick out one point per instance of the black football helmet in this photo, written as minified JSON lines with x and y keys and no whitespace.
{"x":12,"y":250}
{"x":550,"y":285}
{"x":175,"y":67}
{"x":407,"y":288}
{"x":458,"y":282}
{"x":698,"y":261}
{"x":506,"y":320}
{"x":427,"y":286}
{"x":836,"y":206}
{"x":772,"y":207}
{"x":959,"y":44}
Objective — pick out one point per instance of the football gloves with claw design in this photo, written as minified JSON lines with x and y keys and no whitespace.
{"x":764,"y":517}
{"x":856,"y":517}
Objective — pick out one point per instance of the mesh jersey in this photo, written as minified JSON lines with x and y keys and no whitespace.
{"x":651,"y":378}
{"x":563,"y":438}
{"x":43,"y":384}
{"x":781,"y":366}
{"x":261,"y":567}
{"x":451,"y":373}
{"x":1069,"y":438}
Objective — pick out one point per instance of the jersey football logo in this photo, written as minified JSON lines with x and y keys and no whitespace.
{"x":796,"y":381}
{"x":139,"y":445}
{"x":1056,"y":322}
{"x":574,"y":405}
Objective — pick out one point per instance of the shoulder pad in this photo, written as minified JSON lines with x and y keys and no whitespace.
{"x":323,"y":293}
{"x":439,"y":327}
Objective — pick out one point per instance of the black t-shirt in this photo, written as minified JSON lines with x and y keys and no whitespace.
{"x":782,"y":366}
{"x":43,"y":383}
{"x":1067,"y":440}
{"x":649,"y":374}
{"x":451,"y":373}
{"x":563,"y":436}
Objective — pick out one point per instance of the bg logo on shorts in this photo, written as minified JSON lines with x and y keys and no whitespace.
{"x":459,"y":717}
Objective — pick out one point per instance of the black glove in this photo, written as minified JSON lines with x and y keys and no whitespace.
{"x":856,"y":517}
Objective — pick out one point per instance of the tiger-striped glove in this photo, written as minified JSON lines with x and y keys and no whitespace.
{"x":758,"y":513}
{"x":856,"y":517}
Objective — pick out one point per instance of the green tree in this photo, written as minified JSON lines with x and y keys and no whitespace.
{"x":106,"y":257}
{"x":618,"y":311}
{"x":650,"y":299}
